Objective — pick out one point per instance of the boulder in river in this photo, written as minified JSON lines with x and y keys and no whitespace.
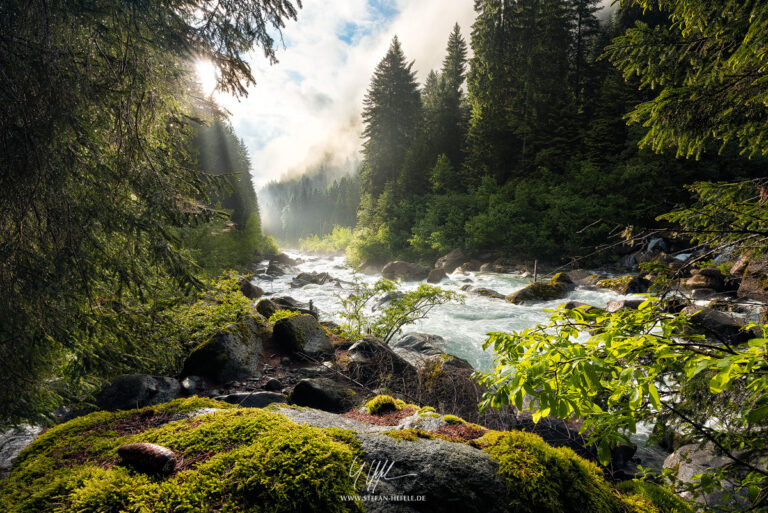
{"x":137,"y":390}
{"x":304,"y":279}
{"x":628,"y":284}
{"x":302,"y":334}
{"x":421,"y":349}
{"x":436,"y":276}
{"x":406,"y":271}
{"x":719,"y":326}
{"x":480,"y":291}
{"x":709,"y":278}
{"x":754,"y":282}
{"x":451,"y":261}
{"x":231,"y":353}
{"x":250,"y":290}
{"x":555,"y":288}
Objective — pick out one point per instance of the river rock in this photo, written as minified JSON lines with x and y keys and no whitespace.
{"x":192,"y":385}
{"x":709,"y":278}
{"x":136,"y":391}
{"x":739,"y":266}
{"x":555,"y":288}
{"x":436,"y":276}
{"x":389,"y":296}
{"x":276,"y":269}
{"x":273,"y":385}
{"x":693,"y":459}
{"x":284,"y":259}
{"x":302,"y":334}
{"x":252,"y":399}
{"x":451,"y":261}
{"x":719,"y":326}
{"x":304,"y":279}
{"x":325,"y":394}
{"x":421,"y":349}
{"x":250,"y":290}
{"x":12,"y":442}
{"x":231,"y":353}
{"x":405,"y":271}
{"x":480,"y":291}
{"x":623,"y":304}
{"x":371,"y":358}
{"x":754,"y":282}
{"x":470,"y":266}
{"x":628,"y":284}
{"x":267,"y":307}
{"x":288,"y":303}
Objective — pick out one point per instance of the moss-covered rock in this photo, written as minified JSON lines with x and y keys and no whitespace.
{"x":302,"y":333}
{"x":382,"y":404}
{"x":231,"y":353}
{"x":555,"y":288}
{"x":628,"y":284}
{"x":259,"y":460}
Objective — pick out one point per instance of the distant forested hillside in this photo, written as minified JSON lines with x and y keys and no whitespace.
{"x":523,"y":147}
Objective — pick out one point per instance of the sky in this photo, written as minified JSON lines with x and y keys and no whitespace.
{"x":309,"y":103}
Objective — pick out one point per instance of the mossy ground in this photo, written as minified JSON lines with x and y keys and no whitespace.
{"x":237,"y":459}
{"x":254,"y":460}
{"x":381,"y":404}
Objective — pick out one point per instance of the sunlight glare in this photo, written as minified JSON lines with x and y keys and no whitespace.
{"x":206,"y":75}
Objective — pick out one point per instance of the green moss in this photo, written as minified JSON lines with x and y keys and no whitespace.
{"x":539,"y":291}
{"x":662,"y":500}
{"x":238,"y":459}
{"x":453,"y":419}
{"x":382,"y":404}
{"x":426,"y":409}
{"x":541,"y":478}
{"x":282,"y":314}
{"x":622,"y":285}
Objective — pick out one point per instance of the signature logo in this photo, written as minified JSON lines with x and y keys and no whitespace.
{"x":377,"y":471}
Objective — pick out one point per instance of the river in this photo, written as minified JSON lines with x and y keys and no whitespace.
{"x":463,"y":326}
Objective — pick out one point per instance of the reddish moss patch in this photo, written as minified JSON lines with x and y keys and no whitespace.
{"x":459,"y":432}
{"x":390,"y":418}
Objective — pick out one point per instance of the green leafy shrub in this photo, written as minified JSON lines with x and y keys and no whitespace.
{"x":387,"y":321}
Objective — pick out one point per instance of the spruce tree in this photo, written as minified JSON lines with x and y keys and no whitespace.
{"x":391,"y":113}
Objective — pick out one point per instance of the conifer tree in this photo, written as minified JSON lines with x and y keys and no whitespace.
{"x":391,"y":112}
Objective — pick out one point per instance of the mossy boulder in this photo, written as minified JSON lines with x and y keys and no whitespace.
{"x":555,"y":288}
{"x":286,"y":459}
{"x":628,"y":284}
{"x":302,"y":334}
{"x":231,"y":353}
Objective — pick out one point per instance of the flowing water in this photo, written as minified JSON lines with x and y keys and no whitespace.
{"x":463,"y":326}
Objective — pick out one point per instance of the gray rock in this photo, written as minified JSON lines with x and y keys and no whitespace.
{"x":250,"y":290}
{"x":325,"y":394}
{"x":447,"y":474}
{"x":420,"y":350}
{"x":304,"y":279}
{"x":302,"y":334}
{"x":136,"y":391}
{"x":719,"y":326}
{"x":436,"y":276}
{"x":754,"y":283}
{"x":622,"y":304}
{"x":324,"y":419}
{"x":230,"y":354}
{"x":690,"y":460}
{"x":388,"y":297}
{"x":252,"y":400}
{"x":284,"y":259}
{"x":451,"y":261}
{"x":273,"y":385}
{"x":12,"y":442}
{"x":372,"y":355}
{"x":314,"y":372}
{"x":405,"y":271}
{"x":267,"y":308}
{"x":480,"y":291}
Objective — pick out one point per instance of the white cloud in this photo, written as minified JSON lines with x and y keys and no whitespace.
{"x":310,"y":102}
